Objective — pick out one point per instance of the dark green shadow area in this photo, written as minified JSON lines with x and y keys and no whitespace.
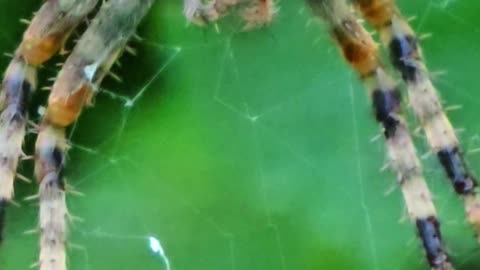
{"x":249,"y":150}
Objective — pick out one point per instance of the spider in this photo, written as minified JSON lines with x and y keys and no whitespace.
{"x":99,"y":47}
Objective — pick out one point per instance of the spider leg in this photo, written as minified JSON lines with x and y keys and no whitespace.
{"x":198,"y":12}
{"x":259,"y":13}
{"x":406,"y":56}
{"x":361,"y":53}
{"x":44,"y":36}
{"x":255,"y":13}
{"x":91,"y":59}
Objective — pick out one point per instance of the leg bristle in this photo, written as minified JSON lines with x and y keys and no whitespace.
{"x":23,"y":178}
{"x":25,"y":21}
{"x":131,"y":50}
{"x":115,"y":77}
{"x":32,"y":197}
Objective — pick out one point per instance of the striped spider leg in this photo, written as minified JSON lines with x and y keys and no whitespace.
{"x":255,"y":13}
{"x":406,"y":57}
{"x":79,"y":79}
{"x":46,"y":34}
{"x":201,"y":13}
{"x":360,"y":51}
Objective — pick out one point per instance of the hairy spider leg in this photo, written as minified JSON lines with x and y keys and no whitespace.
{"x":198,"y":12}
{"x":79,"y":79}
{"x":43,"y":38}
{"x":259,"y":13}
{"x":360,"y":51}
{"x":406,"y":56}
{"x":255,"y":13}
{"x":18,"y":83}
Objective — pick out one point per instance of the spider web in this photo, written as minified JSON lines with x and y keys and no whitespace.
{"x":230,"y":150}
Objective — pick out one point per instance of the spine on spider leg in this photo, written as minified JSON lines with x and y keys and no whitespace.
{"x":89,"y":63}
{"x":406,"y":56}
{"x":43,"y":38}
{"x":360,"y":51}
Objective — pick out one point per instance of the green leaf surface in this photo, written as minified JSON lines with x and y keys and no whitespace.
{"x":248,"y":150}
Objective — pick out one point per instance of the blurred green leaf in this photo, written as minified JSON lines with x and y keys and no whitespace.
{"x":248,"y":150}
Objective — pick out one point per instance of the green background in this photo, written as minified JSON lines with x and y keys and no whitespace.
{"x":248,"y":150}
